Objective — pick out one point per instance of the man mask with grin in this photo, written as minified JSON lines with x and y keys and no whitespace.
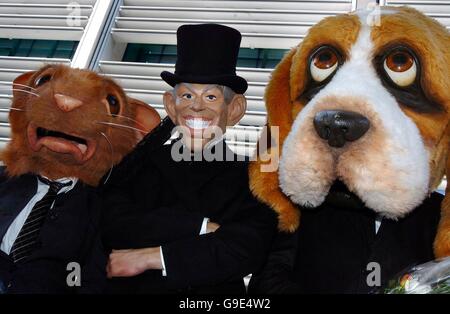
{"x":203,"y":111}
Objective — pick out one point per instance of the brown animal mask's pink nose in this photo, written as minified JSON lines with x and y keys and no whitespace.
{"x":67,"y":103}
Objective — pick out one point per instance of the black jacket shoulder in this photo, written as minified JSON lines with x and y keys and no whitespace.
{"x":3,"y":175}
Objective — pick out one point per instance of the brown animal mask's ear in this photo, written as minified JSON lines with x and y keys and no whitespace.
{"x":263,"y":180}
{"x":22,"y":82}
{"x":147,"y":118}
{"x":442,"y":240}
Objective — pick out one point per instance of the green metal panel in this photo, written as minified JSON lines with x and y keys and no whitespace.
{"x":37,"y":48}
{"x":154,"y":53}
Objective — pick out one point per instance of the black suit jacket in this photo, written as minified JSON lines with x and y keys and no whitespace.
{"x":335,"y":242}
{"x":70,"y":233}
{"x":163,"y":202}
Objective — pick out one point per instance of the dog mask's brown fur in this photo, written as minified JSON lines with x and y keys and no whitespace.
{"x":36,"y":105}
{"x":431,"y":43}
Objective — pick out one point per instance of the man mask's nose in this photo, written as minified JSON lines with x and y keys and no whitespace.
{"x":197,"y":104}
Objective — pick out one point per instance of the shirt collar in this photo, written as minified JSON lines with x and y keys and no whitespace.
{"x":61,"y":180}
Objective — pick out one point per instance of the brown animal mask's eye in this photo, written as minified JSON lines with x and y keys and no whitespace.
{"x":400,"y":66}
{"x":114,"y":104}
{"x":42,"y":80}
{"x":324,"y":62}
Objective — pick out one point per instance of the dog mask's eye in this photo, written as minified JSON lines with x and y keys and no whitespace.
{"x":323,"y":63}
{"x":400,"y":66}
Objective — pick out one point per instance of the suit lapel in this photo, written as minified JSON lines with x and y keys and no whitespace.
{"x":15,"y":193}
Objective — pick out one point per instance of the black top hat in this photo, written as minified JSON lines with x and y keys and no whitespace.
{"x":207,"y":54}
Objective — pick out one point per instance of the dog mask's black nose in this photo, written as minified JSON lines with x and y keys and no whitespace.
{"x":339,"y":127}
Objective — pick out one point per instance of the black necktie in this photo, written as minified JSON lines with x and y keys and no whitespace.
{"x":26,"y":239}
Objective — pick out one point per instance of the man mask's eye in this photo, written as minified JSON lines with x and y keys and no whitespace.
{"x":400,"y":66}
{"x":187,"y":96}
{"x":323,"y":63}
{"x":211,"y":97}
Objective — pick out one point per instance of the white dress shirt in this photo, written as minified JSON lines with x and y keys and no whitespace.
{"x":378,"y":221}
{"x":14,"y":229}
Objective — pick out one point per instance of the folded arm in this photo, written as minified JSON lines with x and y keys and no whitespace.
{"x":233,"y":251}
{"x":126,"y":224}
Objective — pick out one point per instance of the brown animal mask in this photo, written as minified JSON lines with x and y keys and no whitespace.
{"x":364,"y":104}
{"x":69,"y":122}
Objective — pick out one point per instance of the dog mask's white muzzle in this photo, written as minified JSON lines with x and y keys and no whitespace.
{"x":387,"y":167}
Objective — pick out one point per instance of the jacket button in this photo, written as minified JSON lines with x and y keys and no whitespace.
{"x":53,"y":216}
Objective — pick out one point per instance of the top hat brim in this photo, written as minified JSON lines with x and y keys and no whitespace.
{"x":236,"y":83}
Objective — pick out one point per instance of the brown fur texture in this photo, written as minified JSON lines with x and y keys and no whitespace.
{"x":430,"y":41}
{"x":36,"y":105}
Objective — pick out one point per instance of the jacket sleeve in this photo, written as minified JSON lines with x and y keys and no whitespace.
{"x":275,"y":277}
{"x":93,"y":270}
{"x":235,"y":250}
{"x":93,"y":267}
{"x":132,"y":217}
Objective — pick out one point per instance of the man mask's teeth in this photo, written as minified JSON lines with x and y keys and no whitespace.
{"x":197,"y":123}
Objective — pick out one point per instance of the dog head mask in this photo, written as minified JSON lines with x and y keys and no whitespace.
{"x":366,"y":104}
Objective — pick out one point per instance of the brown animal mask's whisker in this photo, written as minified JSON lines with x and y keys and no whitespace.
{"x":27,"y":86}
{"x":20,"y":90}
{"x":120,"y":126}
{"x":13,"y":84}
{"x":128,"y":118}
{"x":112,"y":154}
{"x":17,"y":109}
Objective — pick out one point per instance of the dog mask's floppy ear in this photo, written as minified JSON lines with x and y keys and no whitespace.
{"x":265,"y":184}
{"x":442,"y":240}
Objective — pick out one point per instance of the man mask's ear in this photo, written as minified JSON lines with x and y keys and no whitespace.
{"x":147,"y":118}
{"x":22,"y":83}
{"x":169,"y":104}
{"x":236,"y":109}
